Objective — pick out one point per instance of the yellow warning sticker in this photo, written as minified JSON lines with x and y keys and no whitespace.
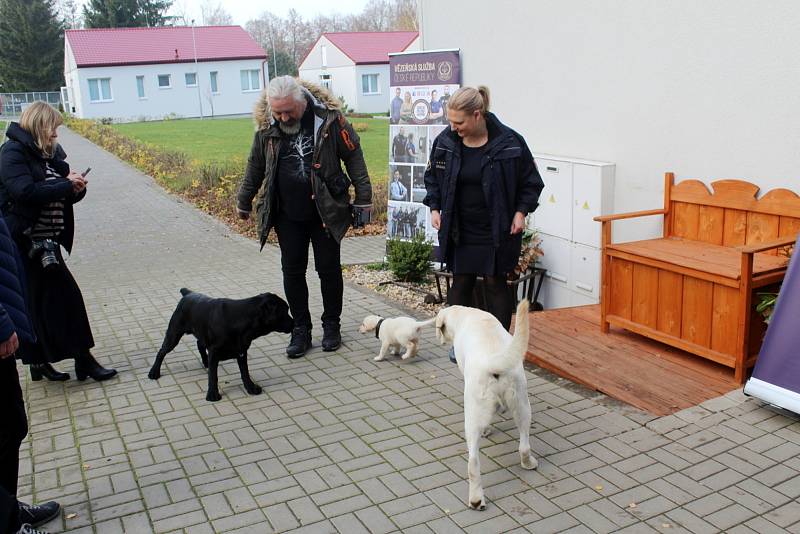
{"x":552,"y":199}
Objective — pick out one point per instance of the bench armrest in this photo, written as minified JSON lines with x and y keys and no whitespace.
{"x":760,"y":247}
{"x":630,"y":215}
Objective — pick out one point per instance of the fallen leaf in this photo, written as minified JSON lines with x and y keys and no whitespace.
{"x":446,"y":511}
{"x":86,"y":466}
{"x":632,"y":505}
{"x":665,"y":525}
{"x":433,"y":376}
{"x":599,"y":488}
{"x":72,"y":516}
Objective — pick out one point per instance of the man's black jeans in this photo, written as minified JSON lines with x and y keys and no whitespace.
{"x":293,"y":238}
{"x":13,"y":428}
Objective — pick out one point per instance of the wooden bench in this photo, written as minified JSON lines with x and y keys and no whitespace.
{"x":693,"y":288}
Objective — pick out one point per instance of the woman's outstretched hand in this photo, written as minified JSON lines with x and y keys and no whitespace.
{"x":436,"y":219}
{"x":518,"y":224}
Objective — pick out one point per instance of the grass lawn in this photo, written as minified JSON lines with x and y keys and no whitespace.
{"x":223,"y":139}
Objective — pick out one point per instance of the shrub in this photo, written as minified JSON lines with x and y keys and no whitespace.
{"x":410,"y":261}
{"x":360,"y":126}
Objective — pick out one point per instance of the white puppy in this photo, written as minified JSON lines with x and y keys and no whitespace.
{"x":395,"y":333}
{"x":494,"y":380}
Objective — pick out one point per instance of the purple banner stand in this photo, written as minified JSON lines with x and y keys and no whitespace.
{"x":776,"y":377}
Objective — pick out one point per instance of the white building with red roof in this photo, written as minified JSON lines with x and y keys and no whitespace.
{"x":355,"y":65}
{"x":153,"y":73}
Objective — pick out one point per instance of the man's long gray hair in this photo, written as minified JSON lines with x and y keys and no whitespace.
{"x":285,"y":87}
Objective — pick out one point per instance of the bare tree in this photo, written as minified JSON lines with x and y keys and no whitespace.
{"x":214,"y":14}
{"x":70,"y":14}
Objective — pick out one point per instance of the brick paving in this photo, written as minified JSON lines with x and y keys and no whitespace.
{"x":337,"y":442}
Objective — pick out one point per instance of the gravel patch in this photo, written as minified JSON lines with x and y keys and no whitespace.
{"x":409,"y":295}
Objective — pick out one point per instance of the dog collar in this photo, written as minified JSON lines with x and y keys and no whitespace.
{"x":378,"y":329}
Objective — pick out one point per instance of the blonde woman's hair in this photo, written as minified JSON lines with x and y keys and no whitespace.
{"x":41,"y":120}
{"x":469,"y":99}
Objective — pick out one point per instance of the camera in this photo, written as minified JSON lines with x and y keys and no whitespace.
{"x":361,"y":215}
{"x":46,"y":249}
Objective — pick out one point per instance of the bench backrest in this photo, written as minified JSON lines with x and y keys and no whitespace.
{"x":731,"y":216}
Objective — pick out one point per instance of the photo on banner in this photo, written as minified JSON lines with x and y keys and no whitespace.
{"x":421,"y":83}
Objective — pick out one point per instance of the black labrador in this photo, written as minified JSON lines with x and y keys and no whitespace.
{"x":224,"y":329}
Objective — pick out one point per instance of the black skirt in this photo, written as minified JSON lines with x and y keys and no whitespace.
{"x":484,"y":259}
{"x":57,"y":312}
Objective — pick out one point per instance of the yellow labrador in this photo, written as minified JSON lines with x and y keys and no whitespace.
{"x":494,"y":380}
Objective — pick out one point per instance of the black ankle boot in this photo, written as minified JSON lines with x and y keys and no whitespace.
{"x":300,"y":342}
{"x":39,"y":370}
{"x":331,"y":336}
{"x":86,"y":365}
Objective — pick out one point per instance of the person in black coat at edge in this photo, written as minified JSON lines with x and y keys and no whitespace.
{"x":15,"y":517}
{"x":37,"y":191}
{"x":481,"y":182}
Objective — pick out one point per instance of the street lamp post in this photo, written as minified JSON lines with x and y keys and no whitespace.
{"x":197,"y":73}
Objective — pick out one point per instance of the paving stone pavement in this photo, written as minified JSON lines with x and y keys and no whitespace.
{"x":337,"y":442}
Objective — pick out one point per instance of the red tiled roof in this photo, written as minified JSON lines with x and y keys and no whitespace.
{"x":141,"y":46}
{"x":371,"y":47}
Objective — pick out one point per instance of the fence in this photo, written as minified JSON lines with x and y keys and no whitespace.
{"x":12,"y":104}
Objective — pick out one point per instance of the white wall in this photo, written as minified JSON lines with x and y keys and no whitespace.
{"x":706,"y":89}
{"x":180,"y":100}
{"x":342,"y":81}
{"x":378,"y":103}
{"x":71,"y":78}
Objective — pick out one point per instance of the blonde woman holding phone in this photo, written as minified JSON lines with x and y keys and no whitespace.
{"x":37,"y":192}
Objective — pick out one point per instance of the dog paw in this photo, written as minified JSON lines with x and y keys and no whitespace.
{"x":377,"y":359}
{"x":486,"y":432}
{"x":213,"y":396}
{"x":478,"y":504}
{"x":154,"y":374}
{"x":527,"y":461}
{"x":253,"y":389}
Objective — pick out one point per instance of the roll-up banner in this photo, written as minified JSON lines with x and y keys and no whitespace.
{"x":776,"y":376}
{"x":420,"y":85}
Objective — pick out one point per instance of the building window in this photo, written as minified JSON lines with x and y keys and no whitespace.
{"x":191,"y":79}
{"x":251,"y":80}
{"x":100,"y":90}
{"x":369,"y":84}
{"x":164,"y":81}
{"x":140,"y":86}
{"x":325,"y":81}
{"x":214,"y":87}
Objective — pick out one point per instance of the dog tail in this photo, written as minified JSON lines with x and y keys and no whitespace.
{"x":516,"y":351}
{"x":422,"y":324}
{"x":185,"y":291}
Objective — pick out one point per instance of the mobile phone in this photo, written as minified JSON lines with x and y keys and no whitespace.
{"x":84,"y":173}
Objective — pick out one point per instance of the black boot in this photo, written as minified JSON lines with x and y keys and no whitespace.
{"x":331,"y":336}
{"x":38,"y":514}
{"x":39,"y":370}
{"x":86,"y":365}
{"x":300,"y":342}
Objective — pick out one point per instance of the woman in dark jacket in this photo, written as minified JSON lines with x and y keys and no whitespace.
{"x":481,"y":182}
{"x":15,"y":516}
{"x":37,"y":191}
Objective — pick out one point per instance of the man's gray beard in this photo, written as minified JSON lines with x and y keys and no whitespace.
{"x":289,"y":129}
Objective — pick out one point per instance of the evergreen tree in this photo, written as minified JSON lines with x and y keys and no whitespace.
{"x":31,"y":46}
{"x":125,"y":13}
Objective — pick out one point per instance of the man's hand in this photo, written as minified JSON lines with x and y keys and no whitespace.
{"x":518,"y":224}
{"x":436,"y":219}
{"x":9,"y":346}
{"x":243,"y":215}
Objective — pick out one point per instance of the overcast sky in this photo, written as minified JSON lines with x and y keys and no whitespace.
{"x":244,"y":10}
